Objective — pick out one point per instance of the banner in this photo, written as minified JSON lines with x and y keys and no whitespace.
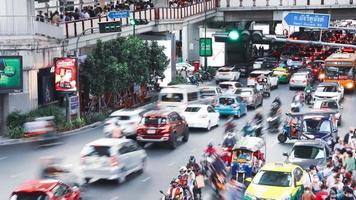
{"x":10,"y":74}
{"x":65,"y":70}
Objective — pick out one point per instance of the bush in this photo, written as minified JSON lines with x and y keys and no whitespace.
{"x":15,"y":119}
{"x":90,"y":118}
{"x":77,"y":123}
{"x":15,"y":132}
{"x":51,"y":110}
{"x":179,"y":80}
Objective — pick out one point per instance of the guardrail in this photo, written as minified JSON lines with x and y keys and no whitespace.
{"x":75,"y":28}
{"x":274,"y":3}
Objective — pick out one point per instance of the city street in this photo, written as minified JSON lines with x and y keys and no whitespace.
{"x":21,"y":162}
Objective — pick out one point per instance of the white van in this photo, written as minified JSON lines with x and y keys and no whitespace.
{"x":177,"y":97}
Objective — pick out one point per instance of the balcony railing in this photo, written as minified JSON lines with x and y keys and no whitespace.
{"x":286,"y":3}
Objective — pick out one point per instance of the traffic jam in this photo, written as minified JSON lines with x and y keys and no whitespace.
{"x":320,"y":163}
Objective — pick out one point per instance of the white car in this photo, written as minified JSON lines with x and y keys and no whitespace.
{"x":300,"y":80}
{"x":184,"y":66}
{"x":227,"y":74}
{"x":209,"y":94}
{"x":111,"y":159}
{"x":330,"y":105}
{"x":271,"y":79}
{"x":258,"y":63}
{"x":127,"y":119}
{"x":229,"y":86}
{"x":329,"y":90}
{"x":201,"y":116}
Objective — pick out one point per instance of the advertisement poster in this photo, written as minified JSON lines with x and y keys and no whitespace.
{"x":65,"y":74}
{"x":10,"y":74}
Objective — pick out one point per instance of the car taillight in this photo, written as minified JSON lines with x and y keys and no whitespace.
{"x":114,"y":161}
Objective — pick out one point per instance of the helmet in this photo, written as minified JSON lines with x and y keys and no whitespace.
{"x":192,"y":159}
{"x":174,"y":182}
{"x":210,"y":144}
{"x":182,"y":169}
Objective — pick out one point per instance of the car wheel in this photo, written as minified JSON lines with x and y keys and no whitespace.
{"x":186,"y":135}
{"x":208,"y":128}
{"x":173,"y":141}
{"x":290,"y":88}
{"x":282,"y":138}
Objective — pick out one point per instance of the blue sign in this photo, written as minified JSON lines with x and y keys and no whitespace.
{"x":308,"y":20}
{"x":119,"y":14}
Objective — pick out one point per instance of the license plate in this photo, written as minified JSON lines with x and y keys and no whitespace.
{"x":151,"y":131}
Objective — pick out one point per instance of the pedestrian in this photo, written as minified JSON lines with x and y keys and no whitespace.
{"x":339,"y":145}
{"x":348,"y":136}
{"x":40,"y":17}
{"x":323,"y":193}
{"x":55,"y":18}
{"x":350,"y":162}
{"x":308,"y":195}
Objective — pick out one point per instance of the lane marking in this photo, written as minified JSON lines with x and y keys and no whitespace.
{"x":3,"y":158}
{"x":146,"y":179}
{"x":172,"y":163}
{"x":15,"y":175}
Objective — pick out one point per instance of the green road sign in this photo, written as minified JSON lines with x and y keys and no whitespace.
{"x":205,"y":47}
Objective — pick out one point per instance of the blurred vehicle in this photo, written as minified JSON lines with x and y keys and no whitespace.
{"x":229,"y":86}
{"x":300,"y":80}
{"x":209,"y":94}
{"x":341,"y":68}
{"x":309,"y":152}
{"x":40,"y":126}
{"x":295,"y":63}
{"x":316,"y":67}
{"x":126,"y":119}
{"x":258,"y":64}
{"x":227,"y":74}
{"x":330,"y":105}
{"x":177,"y":97}
{"x":231,"y":105}
{"x":111,"y":159}
{"x":184,"y":66}
{"x":162,"y":126}
{"x":283,"y":74}
{"x":278,"y":181}
{"x":201,"y":116}
{"x":274,"y":118}
{"x":272,"y":80}
{"x":53,"y":168}
{"x":270,"y":62}
{"x":251,"y":96}
{"x":248,"y":156}
{"x":290,"y":128}
{"x":46,"y":190}
{"x":329,"y":90}
{"x":245,"y":68}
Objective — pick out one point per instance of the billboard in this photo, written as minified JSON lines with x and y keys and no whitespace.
{"x":65,"y":70}
{"x":10,"y":74}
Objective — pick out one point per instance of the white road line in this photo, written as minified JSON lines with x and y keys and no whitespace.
{"x":171,"y":164}
{"x":15,"y":175}
{"x":3,"y":158}
{"x":146,"y":179}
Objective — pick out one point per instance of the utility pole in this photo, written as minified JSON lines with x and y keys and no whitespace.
{"x":205,"y":57}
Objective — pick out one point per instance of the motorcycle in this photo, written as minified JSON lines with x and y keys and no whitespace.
{"x":273,"y":120}
{"x":168,"y":197}
{"x":308,"y":96}
{"x":192,"y":79}
{"x":296,"y":106}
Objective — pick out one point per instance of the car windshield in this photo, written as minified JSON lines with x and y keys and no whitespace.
{"x":207,"y":93}
{"x":225,"y":86}
{"x":254,"y":75}
{"x":192,"y":109}
{"x":29,"y":196}
{"x":301,"y":75}
{"x":317,"y":124}
{"x":326,"y":88}
{"x":329,"y":105}
{"x":226,"y":101}
{"x":273,"y":178}
{"x":154,"y":120}
{"x":339,"y":73}
{"x":307,"y":152}
{"x":96,"y":150}
{"x":224,"y":70}
{"x":243,"y":93}
{"x":172,"y":97}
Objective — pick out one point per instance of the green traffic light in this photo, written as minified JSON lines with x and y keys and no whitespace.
{"x":234,"y":35}
{"x":132,"y":22}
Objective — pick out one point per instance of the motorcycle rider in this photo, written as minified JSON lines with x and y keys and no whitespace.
{"x":174,"y":190}
{"x":229,"y":125}
{"x":193,"y":164}
{"x":191,"y":181}
{"x":183,"y":181}
{"x":229,"y":140}
{"x":278,"y":101}
{"x":308,"y":93}
{"x":210,"y":150}
{"x":258,"y":121}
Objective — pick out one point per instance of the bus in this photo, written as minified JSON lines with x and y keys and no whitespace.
{"x":341,"y":67}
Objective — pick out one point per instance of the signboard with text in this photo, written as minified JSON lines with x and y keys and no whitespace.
{"x":206,"y":47}
{"x":65,"y":70}
{"x":73,"y":105}
{"x":10,"y":74}
{"x":119,"y":14}
{"x":307,"y":20}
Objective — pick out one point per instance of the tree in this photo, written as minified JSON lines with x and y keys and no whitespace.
{"x":157,"y":60}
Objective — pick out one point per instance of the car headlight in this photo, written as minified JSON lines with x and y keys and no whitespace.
{"x":350,"y":85}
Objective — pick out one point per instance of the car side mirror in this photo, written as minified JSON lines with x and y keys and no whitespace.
{"x":248,"y":180}
{"x":285,"y":154}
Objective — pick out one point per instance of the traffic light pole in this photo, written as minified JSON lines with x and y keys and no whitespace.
{"x":205,"y":57}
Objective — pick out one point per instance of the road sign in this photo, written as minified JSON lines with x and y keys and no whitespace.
{"x":73,"y":105}
{"x":307,"y":20}
{"x":206,"y":47}
{"x":119,"y":14}
{"x":110,"y":27}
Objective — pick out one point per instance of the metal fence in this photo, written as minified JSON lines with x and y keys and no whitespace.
{"x":278,"y":3}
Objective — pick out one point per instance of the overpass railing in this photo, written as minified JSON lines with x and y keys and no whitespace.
{"x":284,"y":3}
{"x":75,"y":28}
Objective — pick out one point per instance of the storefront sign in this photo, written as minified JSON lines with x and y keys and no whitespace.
{"x":65,"y":74}
{"x":10,"y":74}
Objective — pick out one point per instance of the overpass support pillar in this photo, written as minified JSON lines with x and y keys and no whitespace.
{"x":190,"y":42}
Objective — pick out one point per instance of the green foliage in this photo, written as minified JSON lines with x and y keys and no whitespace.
{"x":77,"y":123}
{"x":179,"y":80}
{"x":51,"y":110}
{"x":15,"y":132}
{"x":15,"y":119}
{"x":94,"y":117}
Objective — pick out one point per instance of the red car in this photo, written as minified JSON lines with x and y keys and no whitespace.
{"x":46,"y":190}
{"x":162,"y":126}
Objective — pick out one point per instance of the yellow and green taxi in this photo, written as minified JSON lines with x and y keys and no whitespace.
{"x":282,"y":73}
{"x":278,"y":181}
